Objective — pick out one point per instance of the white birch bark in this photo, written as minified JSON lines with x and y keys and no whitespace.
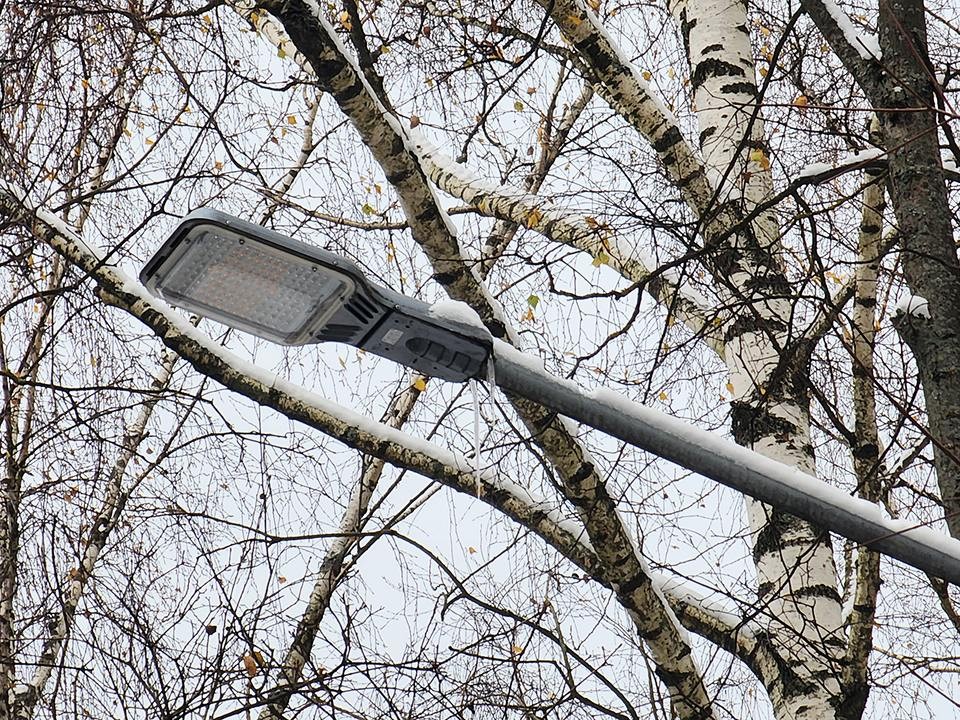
{"x":522,"y":208}
{"x":795,"y":566}
{"x":332,"y":569}
{"x":551,"y":142}
{"x":105,"y":520}
{"x":395,"y":152}
{"x":622,"y":85}
{"x":723,"y":83}
{"x":867,"y":463}
{"x":794,"y":561}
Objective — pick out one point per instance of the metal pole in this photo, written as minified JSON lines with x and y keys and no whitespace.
{"x":706,"y":453}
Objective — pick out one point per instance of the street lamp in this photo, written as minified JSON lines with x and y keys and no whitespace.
{"x":283,"y":290}
{"x":292,"y":293}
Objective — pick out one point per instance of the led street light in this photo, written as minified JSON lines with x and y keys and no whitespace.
{"x":291,"y":293}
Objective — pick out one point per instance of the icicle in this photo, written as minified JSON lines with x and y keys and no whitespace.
{"x":476,"y":433}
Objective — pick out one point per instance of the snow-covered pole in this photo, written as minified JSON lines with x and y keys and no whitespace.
{"x":737,"y":467}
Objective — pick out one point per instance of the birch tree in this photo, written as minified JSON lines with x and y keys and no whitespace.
{"x":742,"y":214}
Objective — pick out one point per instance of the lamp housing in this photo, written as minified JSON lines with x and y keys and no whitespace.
{"x":289,"y":292}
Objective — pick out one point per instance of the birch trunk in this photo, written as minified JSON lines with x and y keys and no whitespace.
{"x":770,"y":413}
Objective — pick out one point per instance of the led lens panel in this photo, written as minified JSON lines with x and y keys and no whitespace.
{"x":251,"y":285}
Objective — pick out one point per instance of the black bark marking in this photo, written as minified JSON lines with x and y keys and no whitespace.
{"x":747,"y":88}
{"x":711,"y":68}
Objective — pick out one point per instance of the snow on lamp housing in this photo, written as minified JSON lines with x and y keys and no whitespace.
{"x":277,"y":288}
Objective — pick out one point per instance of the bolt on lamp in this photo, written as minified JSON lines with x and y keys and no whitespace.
{"x":292,"y":293}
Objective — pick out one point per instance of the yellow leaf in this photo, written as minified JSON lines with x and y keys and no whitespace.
{"x":250,"y":665}
{"x":259,"y":658}
{"x":763,"y":72}
{"x":601,"y":258}
{"x":534,"y":217}
{"x":207,"y":20}
{"x":149,"y":141}
{"x":646,"y":75}
{"x":291,"y":119}
{"x":760,"y":158}
{"x":594,"y":4}
{"x":85,"y":83}
{"x":344,"y":19}
{"x":472,"y":550}
{"x":663,"y":396}
{"x":518,"y":106}
{"x":420,"y":384}
{"x":281,"y":579}
{"x":281,"y":53}
{"x":765,"y":31}
{"x":574,"y":20}
{"x":531,"y":90}
{"x":801,"y":101}
{"x":218,"y":165}
{"x":414,"y":121}
{"x":671,"y":73}
{"x":730,"y":388}
{"x":516,"y":649}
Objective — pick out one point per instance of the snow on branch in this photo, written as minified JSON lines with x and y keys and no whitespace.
{"x":821,"y":172}
{"x":913,"y":306}
{"x":622,"y":85}
{"x":868,"y":159}
{"x":858,"y":51}
{"x":866,"y":44}
{"x":515,"y":206}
